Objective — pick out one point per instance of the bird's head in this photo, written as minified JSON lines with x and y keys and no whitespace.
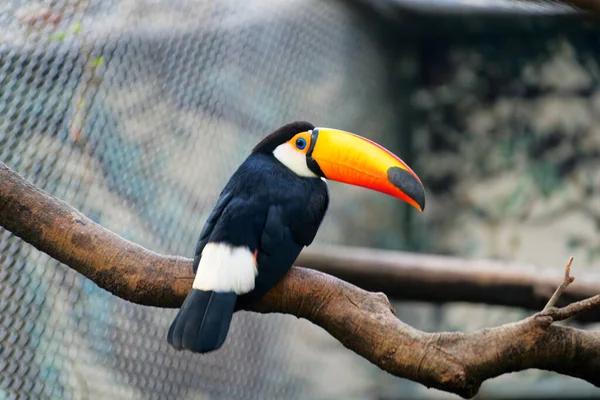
{"x":344,"y":157}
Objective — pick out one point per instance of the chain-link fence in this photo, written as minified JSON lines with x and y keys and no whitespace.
{"x":137,"y":112}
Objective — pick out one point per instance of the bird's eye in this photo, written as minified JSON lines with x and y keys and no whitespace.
{"x":300,"y":143}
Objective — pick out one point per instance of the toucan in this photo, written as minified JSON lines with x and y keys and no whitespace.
{"x":269,"y":210}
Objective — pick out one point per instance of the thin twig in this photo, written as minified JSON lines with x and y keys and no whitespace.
{"x":563,"y":286}
{"x":560,"y":314}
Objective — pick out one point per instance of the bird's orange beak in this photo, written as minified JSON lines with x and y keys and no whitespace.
{"x":348,"y":158}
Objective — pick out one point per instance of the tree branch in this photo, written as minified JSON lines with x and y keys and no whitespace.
{"x":567,"y":280}
{"x":583,"y":7}
{"x":591,"y":6}
{"x":364,"y":322}
{"x":442,"y":279}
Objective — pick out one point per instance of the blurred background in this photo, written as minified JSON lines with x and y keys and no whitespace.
{"x":136,"y":112}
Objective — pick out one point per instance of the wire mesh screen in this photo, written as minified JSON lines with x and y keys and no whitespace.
{"x":136,"y":113}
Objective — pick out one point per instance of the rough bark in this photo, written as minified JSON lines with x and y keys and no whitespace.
{"x":363,"y":321}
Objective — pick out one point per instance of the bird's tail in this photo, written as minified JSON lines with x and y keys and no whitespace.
{"x":202,"y":323}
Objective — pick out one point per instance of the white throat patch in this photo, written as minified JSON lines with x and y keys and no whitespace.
{"x":224,"y":268}
{"x":295,"y":160}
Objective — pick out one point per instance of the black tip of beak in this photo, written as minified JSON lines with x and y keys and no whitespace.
{"x":410,"y":185}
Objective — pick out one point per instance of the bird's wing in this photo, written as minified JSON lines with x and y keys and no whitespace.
{"x":209,"y":225}
{"x":304,"y":226}
{"x":276,"y":253}
{"x":236,"y":222}
{"x":287,"y":231}
{"x":277,"y":234}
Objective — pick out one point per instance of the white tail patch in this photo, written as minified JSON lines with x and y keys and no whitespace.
{"x":225,"y":268}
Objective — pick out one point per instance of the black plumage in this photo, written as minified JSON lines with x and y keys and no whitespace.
{"x":267,"y":208}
